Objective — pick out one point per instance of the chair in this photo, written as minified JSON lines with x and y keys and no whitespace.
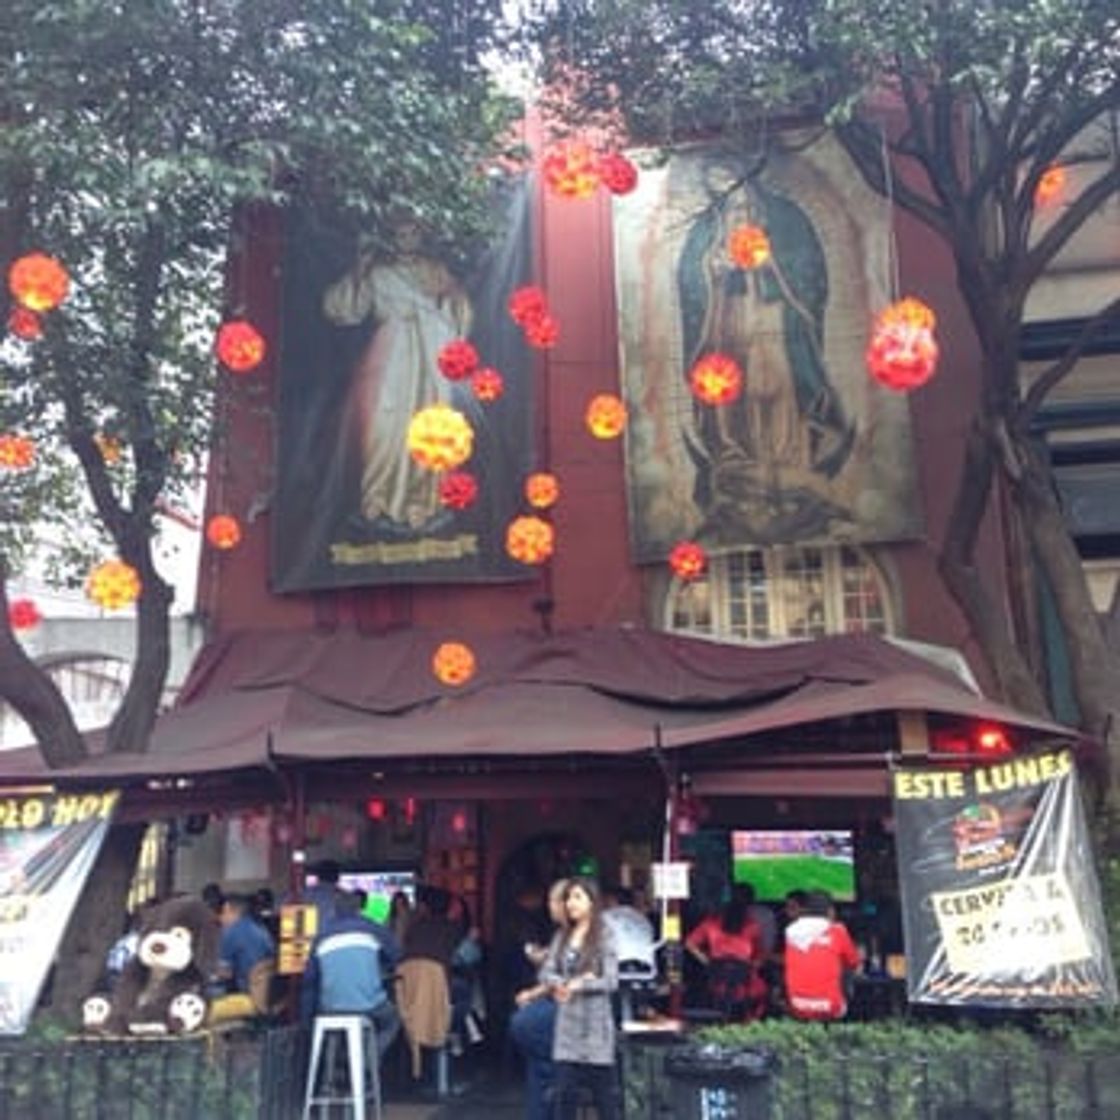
{"x":363,"y":1077}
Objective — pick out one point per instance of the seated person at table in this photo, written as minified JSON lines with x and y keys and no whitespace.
{"x":729,"y":945}
{"x":346,"y":971}
{"x":246,"y":963}
{"x":818,"y":950}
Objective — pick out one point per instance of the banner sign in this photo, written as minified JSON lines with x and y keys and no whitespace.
{"x":1001,"y":906}
{"x":48,"y":843}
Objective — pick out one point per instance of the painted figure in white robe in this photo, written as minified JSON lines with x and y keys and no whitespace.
{"x":416,"y":307}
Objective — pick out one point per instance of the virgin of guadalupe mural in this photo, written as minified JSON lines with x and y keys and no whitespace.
{"x":811,"y":451}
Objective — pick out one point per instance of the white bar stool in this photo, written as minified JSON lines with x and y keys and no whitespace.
{"x":360,"y":1047}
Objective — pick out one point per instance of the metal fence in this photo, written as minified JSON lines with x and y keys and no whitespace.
{"x":256,"y":1077}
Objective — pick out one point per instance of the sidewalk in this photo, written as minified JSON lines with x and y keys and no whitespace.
{"x":490,"y":1096}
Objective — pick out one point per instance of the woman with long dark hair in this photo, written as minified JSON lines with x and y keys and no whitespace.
{"x":730,"y":946}
{"x":582,"y":973}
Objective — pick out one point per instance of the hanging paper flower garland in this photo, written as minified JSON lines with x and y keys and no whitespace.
{"x":543,"y":333}
{"x":542,"y":490}
{"x":440,"y":438}
{"x":38,"y":282}
{"x":109,"y":446}
{"x":1051,"y":186}
{"x":749,"y":246}
{"x":716,"y":379}
{"x":527,"y":305}
{"x":223,"y":531}
{"x":618,"y":174}
{"x":487,"y":384}
{"x":113,"y":585}
{"x":240,"y":346}
{"x":458,"y":490}
{"x":453,"y":663}
{"x":23,"y":614}
{"x":571,"y":169}
{"x":457,"y":360}
{"x":688,"y":560}
{"x":25,"y":324}
{"x":606,"y":416}
{"x":530,"y":540}
{"x":902,"y":353}
{"x":17,"y":453}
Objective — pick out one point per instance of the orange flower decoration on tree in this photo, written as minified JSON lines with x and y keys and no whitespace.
{"x":617,"y":173}
{"x":606,"y":416}
{"x":542,"y":490}
{"x":453,"y":663}
{"x":240,"y":346}
{"x":716,"y":379}
{"x":458,"y":490}
{"x":113,"y":585}
{"x":109,"y":446}
{"x":487,"y":384}
{"x":23,"y":614}
{"x":38,"y":282}
{"x":457,"y":360}
{"x":440,"y":438}
{"x":527,"y":305}
{"x":25,"y":324}
{"x":688,"y":560}
{"x":543,"y":333}
{"x":530,"y":540}
{"x":748,"y":246}
{"x":223,"y":531}
{"x":1051,"y":186}
{"x":17,"y":453}
{"x":571,"y":169}
{"x":902,"y":353}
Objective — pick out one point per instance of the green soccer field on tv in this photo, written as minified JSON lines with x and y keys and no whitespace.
{"x":777,"y":862}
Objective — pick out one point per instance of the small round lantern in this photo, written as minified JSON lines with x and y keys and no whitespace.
{"x":458,"y":490}
{"x":1051,"y":185}
{"x":542,"y":490}
{"x":113,"y":585}
{"x":453,"y":663}
{"x":440,"y":438}
{"x":902,"y":353}
{"x":17,"y":453}
{"x":571,"y":170}
{"x":688,"y":560}
{"x":38,"y":282}
{"x":617,"y":173}
{"x":530,"y":540}
{"x":223,"y":531}
{"x":487,"y":384}
{"x":109,"y":446}
{"x":716,"y":379}
{"x":748,"y":246}
{"x":457,"y":360}
{"x":23,"y":614}
{"x":527,"y":305}
{"x":240,"y":346}
{"x":543,"y":333}
{"x":24,"y":323}
{"x":606,"y":416}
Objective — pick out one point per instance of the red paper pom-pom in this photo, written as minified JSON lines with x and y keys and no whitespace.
{"x":458,"y":490}
{"x":688,"y":560}
{"x":17,"y":453}
{"x":543,"y":333}
{"x":571,"y":170}
{"x":223,"y":531}
{"x":457,"y":360}
{"x":617,"y":173}
{"x":38,"y":282}
{"x":240,"y":346}
{"x":23,"y":614}
{"x":487,"y":384}
{"x":25,"y":324}
{"x":902,"y":353}
{"x":527,"y":305}
{"x":749,"y":246}
{"x":716,"y":379}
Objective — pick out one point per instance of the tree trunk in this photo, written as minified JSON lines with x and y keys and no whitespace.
{"x":97,"y":920}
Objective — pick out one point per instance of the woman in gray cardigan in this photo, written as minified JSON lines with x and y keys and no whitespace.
{"x":581,"y":973}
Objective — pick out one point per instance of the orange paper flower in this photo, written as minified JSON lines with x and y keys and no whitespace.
{"x":38,"y":282}
{"x":223,"y":531}
{"x":458,"y":490}
{"x":109,"y":446}
{"x":440,"y":438}
{"x":487,"y":384}
{"x":1051,"y":186}
{"x":606,"y":416}
{"x":453,"y":663}
{"x":24,"y":323}
{"x":23,"y":614}
{"x":688,"y":560}
{"x":618,"y":174}
{"x":240,"y":346}
{"x":903,"y":353}
{"x":716,"y":379}
{"x":113,"y":585}
{"x":542,"y":490}
{"x":749,"y":246}
{"x":530,"y":540}
{"x":457,"y":360}
{"x":571,"y":170}
{"x":17,"y":453}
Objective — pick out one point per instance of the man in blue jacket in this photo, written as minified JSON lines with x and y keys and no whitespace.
{"x":346,"y":971}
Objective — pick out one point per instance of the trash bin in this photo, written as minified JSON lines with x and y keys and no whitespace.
{"x":714,"y":1082}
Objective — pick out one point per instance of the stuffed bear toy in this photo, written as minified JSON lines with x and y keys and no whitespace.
{"x":162,"y":989}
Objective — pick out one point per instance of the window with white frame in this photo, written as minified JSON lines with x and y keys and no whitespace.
{"x":783,"y":592}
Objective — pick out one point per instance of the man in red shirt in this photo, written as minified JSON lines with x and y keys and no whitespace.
{"x":818,"y":950}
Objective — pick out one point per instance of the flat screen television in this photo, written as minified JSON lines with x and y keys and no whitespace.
{"x":379,"y":885}
{"x":780,"y":861}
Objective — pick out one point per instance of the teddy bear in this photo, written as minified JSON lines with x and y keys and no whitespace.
{"x":162,"y":989}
